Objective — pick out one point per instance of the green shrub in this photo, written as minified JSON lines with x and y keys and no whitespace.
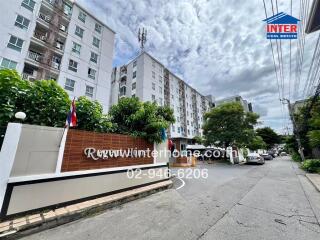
{"x":141,"y":119}
{"x":44,"y":102}
{"x":296,"y":157}
{"x":311,"y":165}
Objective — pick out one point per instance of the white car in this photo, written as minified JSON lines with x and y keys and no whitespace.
{"x":254,"y":158}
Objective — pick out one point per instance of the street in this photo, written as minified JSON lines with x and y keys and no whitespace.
{"x":272,"y":201}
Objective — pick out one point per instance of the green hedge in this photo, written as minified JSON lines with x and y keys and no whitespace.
{"x":311,"y":165}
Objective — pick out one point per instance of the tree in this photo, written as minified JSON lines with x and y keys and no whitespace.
{"x":257,"y":143}
{"x":131,"y":116}
{"x":44,"y":102}
{"x":13,"y":91}
{"x":269,"y":136}
{"x":90,"y":116}
{"x":198,"y":139}
{"x":308,"y":125}
{"x":314,"y":126}
{"x":228,"y":124}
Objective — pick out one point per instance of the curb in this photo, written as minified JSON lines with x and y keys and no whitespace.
{"x":315,"y":180}
{"x":27,"y":225}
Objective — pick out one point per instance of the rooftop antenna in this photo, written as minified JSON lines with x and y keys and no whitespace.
{"x":142,"y":37}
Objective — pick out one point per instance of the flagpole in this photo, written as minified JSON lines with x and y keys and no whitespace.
{"x":64,"y":130}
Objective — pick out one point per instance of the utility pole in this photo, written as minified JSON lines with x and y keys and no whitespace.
{"x":295,"y":127}
{"x":142,"y":38}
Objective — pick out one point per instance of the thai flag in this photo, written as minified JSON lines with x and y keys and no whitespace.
{"x":72,"y":116}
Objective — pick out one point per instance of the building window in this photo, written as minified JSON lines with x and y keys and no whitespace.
{"x":178,"y":129}
{"x":160,"y":79}
{"x":82,"y":17}
{"x":22,"y":22}
{"x":98,"y":28}
{"x":89,"y":91}
{"x":94,"y":57}
{"x":69,"y":85}
{"x":28,"y":4}
{"x":123,"y":90}
{"x":92,"y":73}
{"x":134,"y":85}
{"x":79,"y":31}
{"x":73,"y":65}
{"x":96,"y":42}
{"x":7,"y":63}
{"x":153,"y":97}
{"x":153,"y":86}
{"x":15,"y":43}
{"x":134,"y":63}
{"x":67,"y":9}
{"x":160,"y":90}
{"x":76,"y":48}
{"x":134,"y":75}
{"x":187,"y":122}
{"x":173,"y":128}
{"x":160,"y":101}
{"x":153,"y":74}
{"x":188,"y":131}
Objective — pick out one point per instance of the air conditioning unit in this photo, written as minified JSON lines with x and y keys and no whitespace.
{"x":43,"y":38}
{"x":55,"y":65}
{"x":63,"y":28}
{"x":47,"y":18}
{"x":59,"y":45}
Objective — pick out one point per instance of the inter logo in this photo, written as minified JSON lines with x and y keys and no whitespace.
{"x":282,"y":26}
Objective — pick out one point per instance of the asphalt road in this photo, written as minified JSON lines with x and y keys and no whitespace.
{"x":272,"y":201}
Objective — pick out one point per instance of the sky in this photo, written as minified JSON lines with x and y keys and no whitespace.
{"x":219,"y":47}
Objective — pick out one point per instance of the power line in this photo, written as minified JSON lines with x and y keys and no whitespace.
{"x":273,"y":57}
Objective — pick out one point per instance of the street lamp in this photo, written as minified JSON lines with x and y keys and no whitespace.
{"x":20,"y":116}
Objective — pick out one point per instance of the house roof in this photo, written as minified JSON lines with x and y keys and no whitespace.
{"x":281,"y":18}
{"x":313,"y":23}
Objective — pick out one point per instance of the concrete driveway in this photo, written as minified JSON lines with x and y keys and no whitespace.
{"x":272,"y":201}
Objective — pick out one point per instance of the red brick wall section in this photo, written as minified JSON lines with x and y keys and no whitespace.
{"x":74,"y":158}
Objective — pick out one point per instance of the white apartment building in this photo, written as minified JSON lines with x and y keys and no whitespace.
{"x":247,"y":106}
{"x":60,"y":40}
{"x":149,"y":80}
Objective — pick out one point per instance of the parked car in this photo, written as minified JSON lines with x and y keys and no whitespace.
{"x":266,"y":156}
{"x":283,"y":154}
{"x":272,"y":153}
{"x":254,"y":158}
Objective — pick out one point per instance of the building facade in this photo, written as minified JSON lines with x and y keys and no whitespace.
{"x":247,"y":106}
{"x":60,"y":40}
{"x":149,"y":80}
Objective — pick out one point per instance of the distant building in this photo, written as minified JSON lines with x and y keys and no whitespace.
{"x":149,"y":80}
{"x":245,"y":104}
{"x":313,"y":23}
{"x":298,"y":105}
{"x":60,"y":40}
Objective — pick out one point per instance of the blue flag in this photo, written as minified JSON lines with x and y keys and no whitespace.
{"x":163,"y":134}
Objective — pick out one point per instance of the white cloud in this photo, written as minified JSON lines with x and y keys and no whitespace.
{"x":219,"y":47}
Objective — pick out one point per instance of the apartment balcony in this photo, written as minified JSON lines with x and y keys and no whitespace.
{"x":59,"y":6}
{"x":39,"y":60}
{"x":123,"y":71}
{"x":42,"y":38}
{"x":29,"y":77}
{"x":47,"y":20}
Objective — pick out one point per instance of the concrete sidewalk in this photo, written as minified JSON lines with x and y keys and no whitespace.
{"x":315,"y":180}
{"x":29,"y":224}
